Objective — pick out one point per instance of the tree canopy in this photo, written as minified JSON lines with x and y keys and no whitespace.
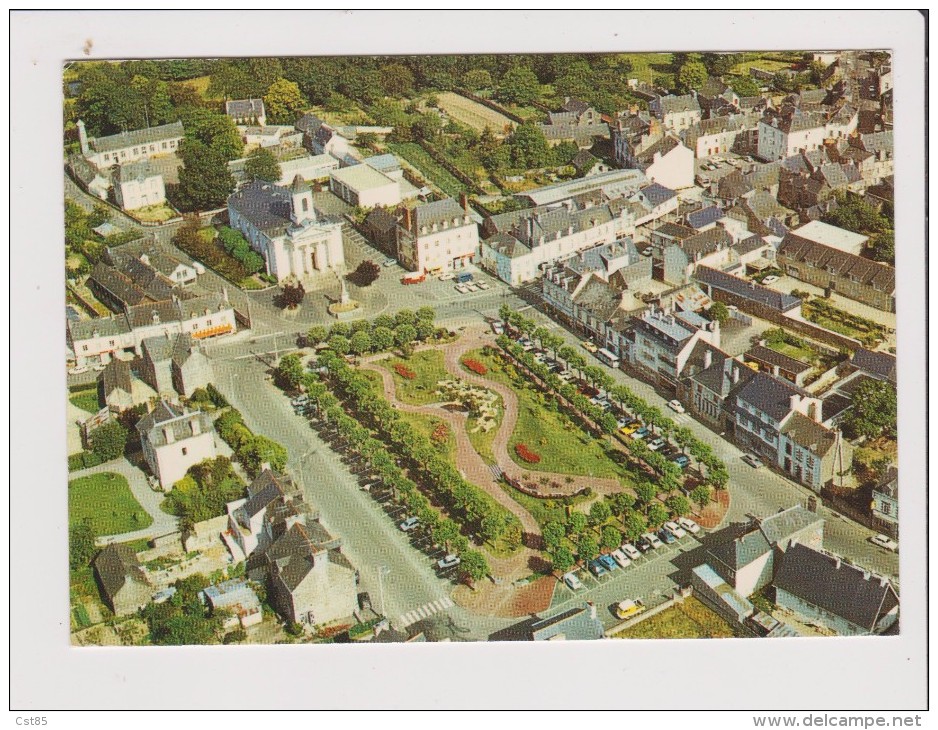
{"x":262,"y":165}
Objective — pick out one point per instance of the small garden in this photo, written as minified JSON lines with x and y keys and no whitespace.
{"x":690,"y":619}
{"x":154,"y":213}
{"x":106,"y":502}
{"x":86,"y":399}
{"x":820,"y":312}
{"x":416,"y":379}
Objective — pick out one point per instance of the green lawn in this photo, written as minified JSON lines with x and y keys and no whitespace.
{"x":690,"y":620}
{"x":107,"y":501}
{"x":425,"y":426}
{"x":561,"y":444}
{"x":646,"y":65}
{"x":429,"y":370}
{"x":799,"y":353}
{"x":86,"y":399}
{"x":428,"y":167}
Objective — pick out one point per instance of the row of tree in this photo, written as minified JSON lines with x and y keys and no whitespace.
{"x":855,"y":214}
{"x":252,"y":450}
{"x":402,"y":330}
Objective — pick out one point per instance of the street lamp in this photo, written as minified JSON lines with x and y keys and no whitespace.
{"x":383,"y":570}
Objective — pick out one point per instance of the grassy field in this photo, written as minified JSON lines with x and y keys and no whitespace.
{"x":561,"y":444}
{"x":87,"y":400}
{"x":799,"y":353}
{"x":107,"y":501}
{"x":428,"y":167}
{"x":472,"y":114}
{"x":154,"y":213}
{"x":689,"y":620}
{"x":763,"y":64}
{"x":200,"y":84}
{"x":429,"y":370}
{"x":646,"y":65}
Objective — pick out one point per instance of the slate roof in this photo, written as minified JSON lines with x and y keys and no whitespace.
{"x":121,"y":287}
{"x":115,"y":565}
{"x":827,"y":582}
{"x":889,"y":486}
{"x":136,"y":171}
{"x":747,"y":546}
{"x":746,"y":289}
{"x":657,"y":193}
{"x":437,"y":212}
{"x":294,"y":554}
{"x":748,"y":245}
{"x":245,"y":108}
{"x":718,"y":378}
{"x":85,"y":170}
{"x":142,"y":315}
{"x":706,"y":242}
{"x":169,"y":415}
{"x":877,"y":141}
{"x":116,"y":376}
{"x":183,"y":348}
{"x":267,"y":206}
{"x":104,"y":327}
{"x":875,"y":363}
{"x":839,"y":263}
{"x":663,"y":146}
{"x":266,"y":487}
{"x":308,"y":123}
{"x":809,"y":434}
{"x":704,"y":217}
{"x":123,"y":140}
{"x":733,"y":186}
{"x":664,"y":326}
{"x":763,"y":205}
{"x":770,"y":395}
{"x":676,"y":104}
{"x":770,"y":356}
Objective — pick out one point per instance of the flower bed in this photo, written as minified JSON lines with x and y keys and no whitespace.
{"x":440,"y":434}
{"x":475,"y":366}
{"x":526,"y":454}
{"x":404,"y":371}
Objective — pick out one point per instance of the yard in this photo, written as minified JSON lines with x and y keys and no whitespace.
{"x":870,"y":333}
{"x":645,"y":66}
{"x":472,"y":114}
{"x":561,"y":444}
{"x":154,"y":213}
{"x":86,"y":399}
{"x":438,"y":431}
{"x":428,"y":167}
{"x":428,"y":370}
{"x":688,"y":620}
{"x":799,"y":353}
{"x":106,"y":500}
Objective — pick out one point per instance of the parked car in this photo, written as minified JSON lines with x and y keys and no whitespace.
{"x":483,"y":285}
{"x":754,"y":461}
{"x":681,"y":460}
{"x":463,"y":277}
{"x":98,"y":366}
{"x":675,"y":405}
{"x":390,"y":262}
{"x":498,"y":328}
{"x":652,"y":540}
{"x":413,"y":279}
{"x":608,"y":562}
{"x":628,"y":608}
{"x":629,"y":549}
{"x":300,"y":400}
{"x":675,"y":529}
{"x":641,"y":433}
{"x":364,"y":601}
{"x":770,"y":279}
{"x":884,"y":541}
{"x":589,"y":346}
{"x":666,"y":537}
{"x":409,"y":524}
{"x":621,"y":558}
{"x":688,"y":524}
{"x":596,"y":568}
{"x":573,"y":583}
{"x":448,"y":561}
{"x":656,"y":444}
{"x":630,"y":428}
{"x":462,"y":289}
{"x":447,"y":276}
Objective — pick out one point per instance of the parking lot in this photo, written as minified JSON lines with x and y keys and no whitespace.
{"x":719,"y":166}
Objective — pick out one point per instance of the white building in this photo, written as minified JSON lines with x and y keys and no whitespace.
{"x":667,"y":162}
{"x":828,"y":235}
{"x":676,"y":113}
{"x":138,"y":185}
{"x":782,"y":136}
{"x":718,"y":135}
{"x":375,"y":182}
{"x":437,"y":237}
{"x":174,"y":439}
{"x":282,"y":226}
{"x":308,"y":167}
{"x":130,"y":146}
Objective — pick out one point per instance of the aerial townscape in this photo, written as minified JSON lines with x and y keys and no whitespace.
{"x":481,"y":348}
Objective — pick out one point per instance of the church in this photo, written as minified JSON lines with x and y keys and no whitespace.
{"x":281,"y":225}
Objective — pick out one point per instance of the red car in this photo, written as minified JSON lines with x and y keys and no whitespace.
{"x":415,"y":279}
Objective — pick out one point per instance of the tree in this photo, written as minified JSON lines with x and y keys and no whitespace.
{"x":599,"y":512}
{"x":657,"y":514}
{"x":214,"y":130}
{"x":292,"y":295}
{"x":283,"y":102}
{"x":718,"y":64}
{"x":576,"y":523}
{"x":719,"y":312}
{"x":610,"y":538}
{"x":316,"y":334}
{"x":204,"y":180}
{"x":587,"y":547}
{"x":360,"y":343}
{"x":553,"y":534}
{"x":528,"y":146}
{"x":289,"y":372}
{"x":702,"y":494}
{"x":645,"y":491}
{"x":365,"y":274}
{"x":404,"y":336}
{"x":262,"y":165}
{"x":562,"y":559}
{"x":473,"y":566}
{"x":635,"y":524}
{"x":81,"y":546}
{"x":691,"y":76}
{"x":745,"y":86}
{"x":262,"y":450}
{"x":873,"y":410}
{"x":678,"y":505}
{"x":427,"y":126}
{"x":519,"y":86}
{"x":109,"y":440}
{"x":477,"y":79}
{"x":382,"y":338}
{"x":397,"y":80}
{"x":883,"y":247}
{"x":339,"y":344}
{"x":445,"y":532}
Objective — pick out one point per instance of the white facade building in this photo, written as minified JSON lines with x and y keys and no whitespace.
{"x":174,"y":439}
{"x":138,"y":185}
{"x":139,"y":144}
{"x":437,"y":237}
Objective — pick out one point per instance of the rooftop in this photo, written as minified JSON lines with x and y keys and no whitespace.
{"x":124,"y":140}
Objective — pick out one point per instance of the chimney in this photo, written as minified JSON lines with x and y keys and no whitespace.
{"x":735,"y":373}
{"x":592,"y":608}
{"x":156,"y":317}
{"x":407,"y":219}
{"x":145,"y":259}
{"x":196,"y":426}
{"x":794,"y":401}
{"x":83,"y":137}
{"x":464,"y":202}
{"x":168,"y":434}
{"x":814,"y":411}
{"x":708,"y":359}
{"x":775,"y":370}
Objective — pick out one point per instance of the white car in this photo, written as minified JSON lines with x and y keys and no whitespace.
{"x":675,"y":529}
{"x":447,"y":276}
{"x":651,"y":539}
{"x":483,"y":285}
{"x":885,"y":541}
{"x":689,"y":525}
{"x":450,"y":561}
{"x":770,"y":279}
{"x":462,"y":289}
{"x":573,"y":583}
{"x":472,"y":287}
{"x":409,"y":524}
{"x":621,"y":558}
{"x":675,"y":405}
{"x":656,"y":444}
{"x":629,"y":549}
{"x":390,"y":262}
{"x":498,"y":328}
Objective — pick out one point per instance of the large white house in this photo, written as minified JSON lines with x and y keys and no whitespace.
{"x":676,"y":113}
{"x":138,"y":185}
{"x":282,"y":226}
{"x":784,"y":135}
{"x":667,"y":162}
{"x":139,"y":144}
{"x":174,"y":439}
{"x":436,"y":237}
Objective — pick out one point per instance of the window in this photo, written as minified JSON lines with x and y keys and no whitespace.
{"x":123,"y":153}
{"x":305,"y":205}
{"x":885,"y":508}
{"x":164,"y":145}
{"x":84,"y":348}
{"x":136,"y":151}
{"x":107,"y":157}
{"x":185,"y":451}
{"x":111,"y":343}
{"x":209,"y":323}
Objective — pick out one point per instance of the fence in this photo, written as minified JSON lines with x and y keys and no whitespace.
{"x":679,"y":595}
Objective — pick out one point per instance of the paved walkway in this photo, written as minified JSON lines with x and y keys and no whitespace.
{"x":163,"y":523}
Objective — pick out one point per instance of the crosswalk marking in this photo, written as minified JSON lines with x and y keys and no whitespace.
{"x":425,"y":611}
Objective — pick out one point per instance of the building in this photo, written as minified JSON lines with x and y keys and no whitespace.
{"x":667,"y":162}
{"x":576,"y":122}
{"x":151,"y":254}
{"x":710,"y":392}
{"x":273,"y":505}
{"x":722,"y":135}
{"x":116,"y":383}
{"x":123,"y":584}
{"x":713,"y":590}
{"x":885,"y":504}
{"x":97,"y":341}
{"x":574,"y":624}
{"x":676,"y":113}
{"x":609,"y":184}
{"x":793,"y":130}
{"x":308,"y":167}
{"x":247,"y":112}
{"x":365,"y":186}
{"x":832,"y":236}
{"x":282,"y":226}
{"x":824,"y":589}
{"x":138,"y":185}
{"x":437,"y":237}
{"x":307,"y":582}
{"x":119,"y":149}
{"x":238,"y":600}
{"x":879,"y":147}
{"x":779,"y":365}
{"x":173,"y":439}
{"x":746,"y":295}
{"x":380,"y":228}
{"x":878,"y":365}
{"x":190,"y":367}
{"x":156,"y":364}
{"x":89,"y":177}
{"x":849,"y":275}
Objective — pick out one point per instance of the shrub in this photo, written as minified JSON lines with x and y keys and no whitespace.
{"x":440,"y":434}
{"x":527,"y":454}
{"x":404,"y":371}
{"x":475,"y":366}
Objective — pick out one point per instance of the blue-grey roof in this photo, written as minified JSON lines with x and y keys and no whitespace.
{"x":267,"y":206}
{"x":746,"y":289}
{"x":770,"y":395}
{"x":876,"y":363}
{"x":742,"y":549}
{"x":693,"y":319}
{"x":654,"y":322}
{"x":658,"y":193}
{"x":383,"y":163}
{"x":783,"y":525}
{"x":704,"y":217}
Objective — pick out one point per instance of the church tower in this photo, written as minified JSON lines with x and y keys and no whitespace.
{"x":301,"y":202}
